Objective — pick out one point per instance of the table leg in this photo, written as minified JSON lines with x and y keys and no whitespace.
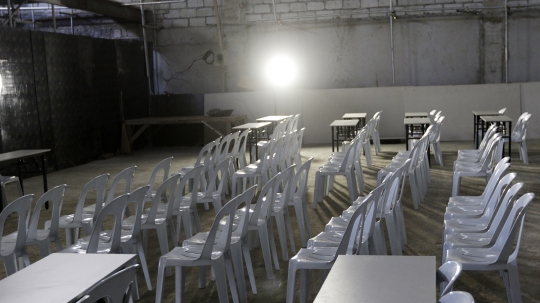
{"x":20,"y":176}
{"x":44,"y":172}
{"x":332,"y":131}
{"x":406,"y":137}
{"x":475,"y":131}
{"x":509,"y":141}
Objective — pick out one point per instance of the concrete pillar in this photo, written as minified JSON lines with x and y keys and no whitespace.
{"x":493,"y":43}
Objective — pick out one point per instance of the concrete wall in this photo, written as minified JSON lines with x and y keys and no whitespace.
{"x":318,"y":108}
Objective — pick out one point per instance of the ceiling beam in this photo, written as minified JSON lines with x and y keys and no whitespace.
{"x":103,"y":7}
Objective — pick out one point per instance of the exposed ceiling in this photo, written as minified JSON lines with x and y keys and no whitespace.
{"x":104,"y":7}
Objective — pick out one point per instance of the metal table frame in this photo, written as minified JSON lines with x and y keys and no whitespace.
{"x":477,"y":123}
{"x":505,"y":122}
{"x":18,"y":157}
{"x":342,"y":130}
{"x":257,"y":129}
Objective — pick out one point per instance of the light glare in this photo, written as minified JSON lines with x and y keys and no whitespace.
{"x":281,"y":71}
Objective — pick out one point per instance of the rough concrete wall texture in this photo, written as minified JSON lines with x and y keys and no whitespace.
{"x":347,"y":43}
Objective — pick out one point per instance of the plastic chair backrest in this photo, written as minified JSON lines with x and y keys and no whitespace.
{"x":244,"y":199}
{"x":495,"y":198}
{"x":299,"y":184}
{"x":190,"y":181}
{"x":393,"y":186}
{"x":218,"y":178}
{"x":371,"y":216}
{"x":294,"y":123}
{"x":240,"y":154}
{"x":223,"y":148}
{"x":299,"y":138}
{"x":165,"y":166}
{"x":204,"y":153}
{"x":20,"y":206}
{"x":116,"y":208}
{"x":127,"y":176}
{"x":284,"y":184}
{"x":502,"y":111}
{"x":223,"y":242}
{"x":505,"y":241}
{"x":503,"y":212}
{"x":116,"y":287}
{"x":355,"y":226}
{"x":448,"y":274}
{"x":137,"y":199}
{"x":164,"y":193}
{"x":499,"y":169}
{"x":99,"y":184}
{"x":56,"y":197}
{"x":350,"y":155}
{"x":487,"y":136}
{"x":262,"y":208}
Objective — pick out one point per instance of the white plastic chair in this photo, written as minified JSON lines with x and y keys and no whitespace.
{"x":298,"y":200}
{"x":215,"y":191}
{"x":519,"y":135}
{"x":280,"y":210}
{"x":10,"y":251}
{"x":325,"y":173}
{"x":73,"y":222}
{"x":435,"y":141}
{"x":257,"y":170}
{"x":447,"y":275}
{"x":457,"y":297}
{"x":153,"y":219}
{"x":43,"y":237}
{"x":116,"y":288}
{"x":214,"y":253}
{"x":487,"y":163}
{"x":125,"y":177}
{"x":185,"y":204}
{"x":5,"y":180}
{"x":164,"y":167}
{"x":499,"y":169}
{"x":239,"y":246}
{"x":375,"y":132}
{"x":324,"y":258}
{"x":484,"y":235}
{"x":502,"y":256}
{"x":260,"y":223}
{"x":115,"y":210}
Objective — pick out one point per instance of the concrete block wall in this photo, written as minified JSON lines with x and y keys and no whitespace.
{"x":197,"y":13}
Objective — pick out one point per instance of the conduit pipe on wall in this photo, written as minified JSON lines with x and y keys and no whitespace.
{"x":143,"y":22}
{"x":506,"y":40}
{"x":220,"y":42}
{"x":392,"y":45}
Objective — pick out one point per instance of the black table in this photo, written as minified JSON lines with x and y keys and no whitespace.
{"x":412,"y":124}
{"x":343,"y":130}
{"x":257,"y":131}
{"x":18,"y":158}
{"x":477,"y":123}
{"x":505,"y":127}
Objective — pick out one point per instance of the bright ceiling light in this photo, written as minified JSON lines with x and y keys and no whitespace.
{"x":281,"y":71}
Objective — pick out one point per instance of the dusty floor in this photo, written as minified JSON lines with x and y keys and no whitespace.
{"x":423,"y":225}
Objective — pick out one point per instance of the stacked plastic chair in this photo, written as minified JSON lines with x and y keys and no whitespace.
{"x":418,"y":172}
{"x":481,"y":232}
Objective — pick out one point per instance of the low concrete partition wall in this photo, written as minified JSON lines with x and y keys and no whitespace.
{"x":318,"y":108}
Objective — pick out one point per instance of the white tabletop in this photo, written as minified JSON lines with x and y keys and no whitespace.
{"x":380,"y":279}
{"x":60,"y":277}
{"x":272,"y":118}
{"x":417,"y":120}
{"x":354,"y":116}
{"x":344,"y":123}
{"x":254,"y":125}
{"x":416,"y":114}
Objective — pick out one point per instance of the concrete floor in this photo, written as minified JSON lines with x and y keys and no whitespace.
{"x":423,"y":225}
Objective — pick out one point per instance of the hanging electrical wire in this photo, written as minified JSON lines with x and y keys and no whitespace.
{"x":208,"y":57}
